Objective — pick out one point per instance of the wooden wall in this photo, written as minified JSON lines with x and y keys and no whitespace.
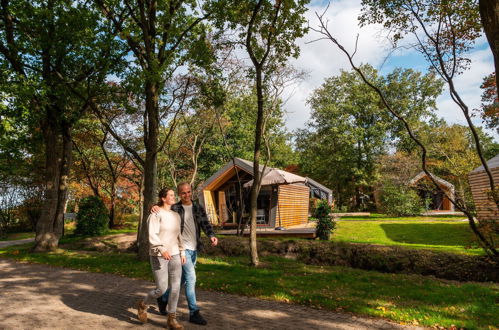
{"x":479,"y":182}
{"x":209,"y":206}
{"x":292,"y":205}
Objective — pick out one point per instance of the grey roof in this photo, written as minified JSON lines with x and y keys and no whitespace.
{"x":492,"y":163}
{"x":436,"y":178}
{"x":318,"y":185}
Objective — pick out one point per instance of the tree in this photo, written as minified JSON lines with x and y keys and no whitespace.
{"x":100,"y":162}
{"x":49,"y":52}
{"x":162,"y":36}
{"x":490,"y":102}
{"x":447,"y":30}
{"x":268,"y":30}
{"x":349,"y":129}
{"x":489,"y":14}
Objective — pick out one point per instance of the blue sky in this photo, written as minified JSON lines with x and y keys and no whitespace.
{"x":322,"y":59}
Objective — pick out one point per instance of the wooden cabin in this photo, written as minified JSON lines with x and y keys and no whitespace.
{"x":278,"y":205}
{"x":426,"y":190}
{"x":479,"y":182}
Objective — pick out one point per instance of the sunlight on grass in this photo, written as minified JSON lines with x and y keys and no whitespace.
{"x":440,"y":236}
{"x":410,"y":299}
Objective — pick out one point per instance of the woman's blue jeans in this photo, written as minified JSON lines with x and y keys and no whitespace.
{"x":189,"y":280}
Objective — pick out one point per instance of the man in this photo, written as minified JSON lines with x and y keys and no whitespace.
{"x":192,"y":217}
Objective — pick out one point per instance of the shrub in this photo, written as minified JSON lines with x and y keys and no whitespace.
{"x":325,"y":222}
{"x":92,"y":217}
{"x":388,"y":259}
{"x":401,"y":201}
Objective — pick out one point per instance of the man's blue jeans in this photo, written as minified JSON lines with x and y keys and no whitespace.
{"x":189,"y":280}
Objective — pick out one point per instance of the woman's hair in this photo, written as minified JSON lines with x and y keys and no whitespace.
{"x":162,"y":194}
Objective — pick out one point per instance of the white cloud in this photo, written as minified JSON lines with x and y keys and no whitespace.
{"x":322,"y":59}
{"x":468,"y":86}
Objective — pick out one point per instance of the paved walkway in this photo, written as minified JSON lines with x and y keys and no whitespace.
{"x":16,"y":242}
{"x":46,"y":297}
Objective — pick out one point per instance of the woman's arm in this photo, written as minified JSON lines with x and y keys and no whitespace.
{"x":153,"y":222}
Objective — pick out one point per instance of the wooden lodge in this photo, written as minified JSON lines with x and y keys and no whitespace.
{"x":486,"y":209}
{"x":278,"y":205}
{"x":427,"y":191}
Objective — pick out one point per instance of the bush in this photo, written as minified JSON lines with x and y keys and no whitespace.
{"x":387,"y":259}
{"x":325,"y":222}
{"x":92,"y":217}
{"x":401,"y":201}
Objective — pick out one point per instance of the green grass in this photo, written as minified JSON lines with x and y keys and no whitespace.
{"x":409,"y":299}
{"x":384,"y":217}
{"x":442,"y":236}
{"x":16,"y":236}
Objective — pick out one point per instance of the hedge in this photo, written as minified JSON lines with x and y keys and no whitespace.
{"x":387,"y":259}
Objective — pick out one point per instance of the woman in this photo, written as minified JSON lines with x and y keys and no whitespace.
{"x":166,"y":255}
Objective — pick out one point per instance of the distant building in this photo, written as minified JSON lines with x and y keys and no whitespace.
{"x":480,"y":188}
{"x":438,"y":201}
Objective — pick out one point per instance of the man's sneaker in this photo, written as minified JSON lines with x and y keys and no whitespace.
{"x":196,"y":318}
{"x":162,"y":306}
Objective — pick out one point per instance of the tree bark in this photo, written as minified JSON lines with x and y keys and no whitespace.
{"x":489,"y":13}
{"x":50,"y":225}
{"x":151,"y":138}
{"x":255,"y":188}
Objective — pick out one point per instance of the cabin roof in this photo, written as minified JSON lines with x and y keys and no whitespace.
{"x":441,"y":181}
{"x":492,"y":163}
{"x":318,"y":185}
{"x":247,"y":166}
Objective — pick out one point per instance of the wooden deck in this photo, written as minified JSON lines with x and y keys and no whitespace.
{"x":270,"y":232}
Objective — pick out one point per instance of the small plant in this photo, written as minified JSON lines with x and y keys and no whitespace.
{"x":92,"y":218}
{"x":325,"y":223}
{"x":401,"y":201}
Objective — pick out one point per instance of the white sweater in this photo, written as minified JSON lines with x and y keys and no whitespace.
{"x":164,"y":233}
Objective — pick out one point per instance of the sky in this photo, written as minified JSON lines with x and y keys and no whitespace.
{"x":322,"y":59}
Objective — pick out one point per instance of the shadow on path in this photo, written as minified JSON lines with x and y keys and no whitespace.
{"x":44,"y":297}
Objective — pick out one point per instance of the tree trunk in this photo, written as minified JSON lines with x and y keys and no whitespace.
{"x":255,"y":188}
{"x":489,"y":13}
{"x":151,"y":138}
{"x":112,"y":212}
{"x":50,"y":225}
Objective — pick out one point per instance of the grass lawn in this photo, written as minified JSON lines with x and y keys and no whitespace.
{"x":408,"y":299}
{"x":438,"y":235}
{"x":15,"y":236}
{"x":384,"y":217}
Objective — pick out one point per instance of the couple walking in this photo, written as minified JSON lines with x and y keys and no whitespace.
{"x":174,"y":239}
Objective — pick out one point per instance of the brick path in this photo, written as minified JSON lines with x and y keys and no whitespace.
{"x":45,"y":297}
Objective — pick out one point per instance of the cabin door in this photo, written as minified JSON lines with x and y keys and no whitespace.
{"x":222,"y":207}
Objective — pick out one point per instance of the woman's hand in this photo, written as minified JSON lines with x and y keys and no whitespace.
{"x":166,"y":255}
{"x":183,"y":260}
{"x":155,"y":209}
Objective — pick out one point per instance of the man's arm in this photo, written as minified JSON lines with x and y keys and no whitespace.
{"x":205,"y":224}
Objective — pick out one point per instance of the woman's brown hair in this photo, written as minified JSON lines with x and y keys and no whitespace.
{"x":162,"y":194}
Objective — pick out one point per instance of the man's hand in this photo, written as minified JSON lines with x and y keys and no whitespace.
{"x":214,"y":241}
{"x":183,"y":260}
{"x":155,"y":209}
{"x":166,"y":255}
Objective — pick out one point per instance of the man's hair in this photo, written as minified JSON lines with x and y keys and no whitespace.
{"x":181,"y":184}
